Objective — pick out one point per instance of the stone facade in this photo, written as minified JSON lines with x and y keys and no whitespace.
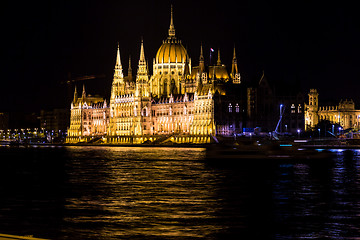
{"x":343,"y":114}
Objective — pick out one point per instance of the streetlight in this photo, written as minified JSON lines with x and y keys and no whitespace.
{"x":281,"y":105}
{"x":319,"y":132}
{"x":298,"y":131}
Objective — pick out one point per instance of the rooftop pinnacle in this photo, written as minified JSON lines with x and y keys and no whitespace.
{"x":171,"y":28}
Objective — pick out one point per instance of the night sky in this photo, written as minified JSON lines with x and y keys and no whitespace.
{"x":316,"y":44}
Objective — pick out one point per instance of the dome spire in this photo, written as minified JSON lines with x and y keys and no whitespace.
{"x":171,"y":28}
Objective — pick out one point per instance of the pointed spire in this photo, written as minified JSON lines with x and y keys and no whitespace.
{"x":262,"y":77}
{"x":129,"y":69}
{"x":118,"y":60}
{"x":142,"y":54}
{"x":201,"y":60}
{"x":234,"y":55}
{"x":118,"y":74}
{"x":171,"y":28}
{"x":187,"y":66}
{"x":75,"y":95}
{"x":234,"y":67}
{"x":83,"y":92}
{"x":218,"y":60}
{"x":142,"y":67}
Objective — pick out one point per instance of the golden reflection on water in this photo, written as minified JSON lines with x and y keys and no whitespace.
{"x":166,"y":193}
{"x":145,"y":192}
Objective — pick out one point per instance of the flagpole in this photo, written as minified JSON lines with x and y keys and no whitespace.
{"x":211,"y":51}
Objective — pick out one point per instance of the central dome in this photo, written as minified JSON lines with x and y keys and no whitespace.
{"x":171,"y":51}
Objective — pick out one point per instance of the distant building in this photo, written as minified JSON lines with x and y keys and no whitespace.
{"x":266,"y":102}
{"x":89,"y":117}
{"x":4,"y":121}
{"x":343,"y":114}
{"x":56,"y":120}
{"x":23,"y":120}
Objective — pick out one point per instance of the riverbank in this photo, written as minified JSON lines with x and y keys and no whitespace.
{"x":307,"y":144}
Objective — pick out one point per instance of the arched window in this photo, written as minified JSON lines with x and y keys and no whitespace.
{"x":237,"y":109}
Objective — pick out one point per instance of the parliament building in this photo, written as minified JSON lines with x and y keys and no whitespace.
{"x":178,"y":103}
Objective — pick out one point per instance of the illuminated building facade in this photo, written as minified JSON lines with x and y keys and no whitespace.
{"x":175,"y":103}
{"x":89,"y":118}
{"x":344,"y":114}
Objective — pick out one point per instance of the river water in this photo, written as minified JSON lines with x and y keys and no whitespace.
{"x":174,"y":193}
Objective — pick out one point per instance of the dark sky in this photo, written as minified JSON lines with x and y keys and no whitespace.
{"x":310,"y":42}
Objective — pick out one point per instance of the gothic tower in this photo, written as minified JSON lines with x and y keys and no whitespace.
{"x":235,"y":75}
{"x":142,"y":77}
{"x":118,"y":85}
{"x":311,"y":110}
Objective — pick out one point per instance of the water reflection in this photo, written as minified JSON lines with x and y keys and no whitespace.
{"x":319,"y":200}
{"x":173,"y":193}
{"x":146,"y":192}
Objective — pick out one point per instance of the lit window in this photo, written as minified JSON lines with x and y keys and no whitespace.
{"x":237,"y":109}
{"x":292,"y":108}
{"x":230,"y":107}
